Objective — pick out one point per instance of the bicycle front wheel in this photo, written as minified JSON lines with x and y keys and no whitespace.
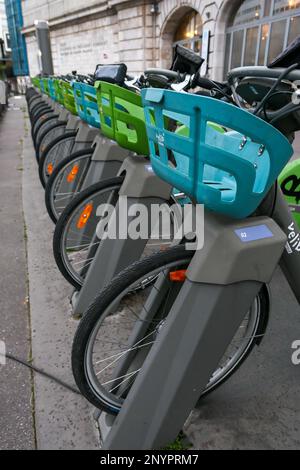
{"x":45,"y":123}
{"x":118,"y":330}
{"x":48,"y":136}
{"x":57,"y":150}
{"x":75,"y":240}
{"x":66,"y":182}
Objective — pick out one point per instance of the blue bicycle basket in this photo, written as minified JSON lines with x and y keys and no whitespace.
{"x":42,"y":85}
{"x":86,"y":103}
{"x":52,"y":91}
{"x":231,"y":172}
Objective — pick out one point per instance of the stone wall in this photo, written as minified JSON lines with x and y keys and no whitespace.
{"x":84,"y":33}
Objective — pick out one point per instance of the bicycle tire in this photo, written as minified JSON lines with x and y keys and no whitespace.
{"x":52,"y":179}
{"x":34,"y":105}
{"x":39,"y":129}
{"x":43,"y":159}
{"x":37,"y":109}
{"x":64,"y":220}
{"x":33,"y":100}
{"x":40,"y":121}
{"x":43,"y":143}
{"x":120,"y":285}
{"x":43,"y":112}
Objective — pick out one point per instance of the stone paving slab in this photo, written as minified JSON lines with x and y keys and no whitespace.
{"x":63,"y":420}
{"x":16,"y":421}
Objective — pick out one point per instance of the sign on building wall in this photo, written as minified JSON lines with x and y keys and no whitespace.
{"x":83,"y":51}
{"x":205,"y":51}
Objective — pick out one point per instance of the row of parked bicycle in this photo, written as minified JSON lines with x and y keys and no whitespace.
{"x":170,"y":137}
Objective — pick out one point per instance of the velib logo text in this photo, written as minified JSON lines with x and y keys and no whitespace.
{"x":293,"y":243}
{"x":155,"y":222}
{"x":296,"y":353}
{"x":2,"y":353}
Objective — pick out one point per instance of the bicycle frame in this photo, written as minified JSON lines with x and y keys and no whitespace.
{"x":84,"y":138}
{"x":105,"y":162}
{"x":140,"y":186}
{"x":168,"y":382}
{"x":290,"y":260}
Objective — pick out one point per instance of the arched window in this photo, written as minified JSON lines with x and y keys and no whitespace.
{"x":260,"y":30}
{"x":189,"y":32}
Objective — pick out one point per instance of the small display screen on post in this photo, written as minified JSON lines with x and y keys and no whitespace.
{"x":254,"y":233}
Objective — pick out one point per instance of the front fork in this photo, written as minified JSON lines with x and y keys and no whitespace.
{"x":290,"y":260}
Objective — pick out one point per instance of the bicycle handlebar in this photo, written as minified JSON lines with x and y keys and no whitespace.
{"x":167,"y":73}
{"x":261,"y":72}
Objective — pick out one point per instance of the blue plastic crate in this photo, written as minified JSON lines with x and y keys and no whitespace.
{"x":52,"y":91}
{"x":86,"y":103}
{"x":42,"y":88}
{"x":231,"y":172}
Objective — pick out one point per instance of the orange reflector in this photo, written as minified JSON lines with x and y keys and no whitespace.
{"x":50,"y":169}
{"x":72,"y":175}
{"x":178,"y":276}
{"x":85,"y":215}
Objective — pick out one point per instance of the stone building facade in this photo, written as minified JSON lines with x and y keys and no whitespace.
{"x":142,"y":33}
{"x":4,"y":36}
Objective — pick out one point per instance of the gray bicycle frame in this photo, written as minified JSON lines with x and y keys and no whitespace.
{"x":85,"y":134}
{"x":140,"y":186}
{"x":290,"y":260}
{"x":201,"y":324}
{"x":105,"y":162}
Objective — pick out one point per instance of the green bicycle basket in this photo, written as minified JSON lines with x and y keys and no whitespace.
{"x":58,"y":91}
{"x":122,"y":117}
{"x":69,"y":99}
{"x":36,"y":82}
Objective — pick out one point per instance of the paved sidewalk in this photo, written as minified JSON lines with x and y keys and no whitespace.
{"x":16,"y":421}
{"x":34,"y":411}
{"x":259,"y":407}
{"x":63,"y":419}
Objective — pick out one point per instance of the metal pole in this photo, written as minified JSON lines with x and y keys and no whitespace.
{"x":43,"y":39}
